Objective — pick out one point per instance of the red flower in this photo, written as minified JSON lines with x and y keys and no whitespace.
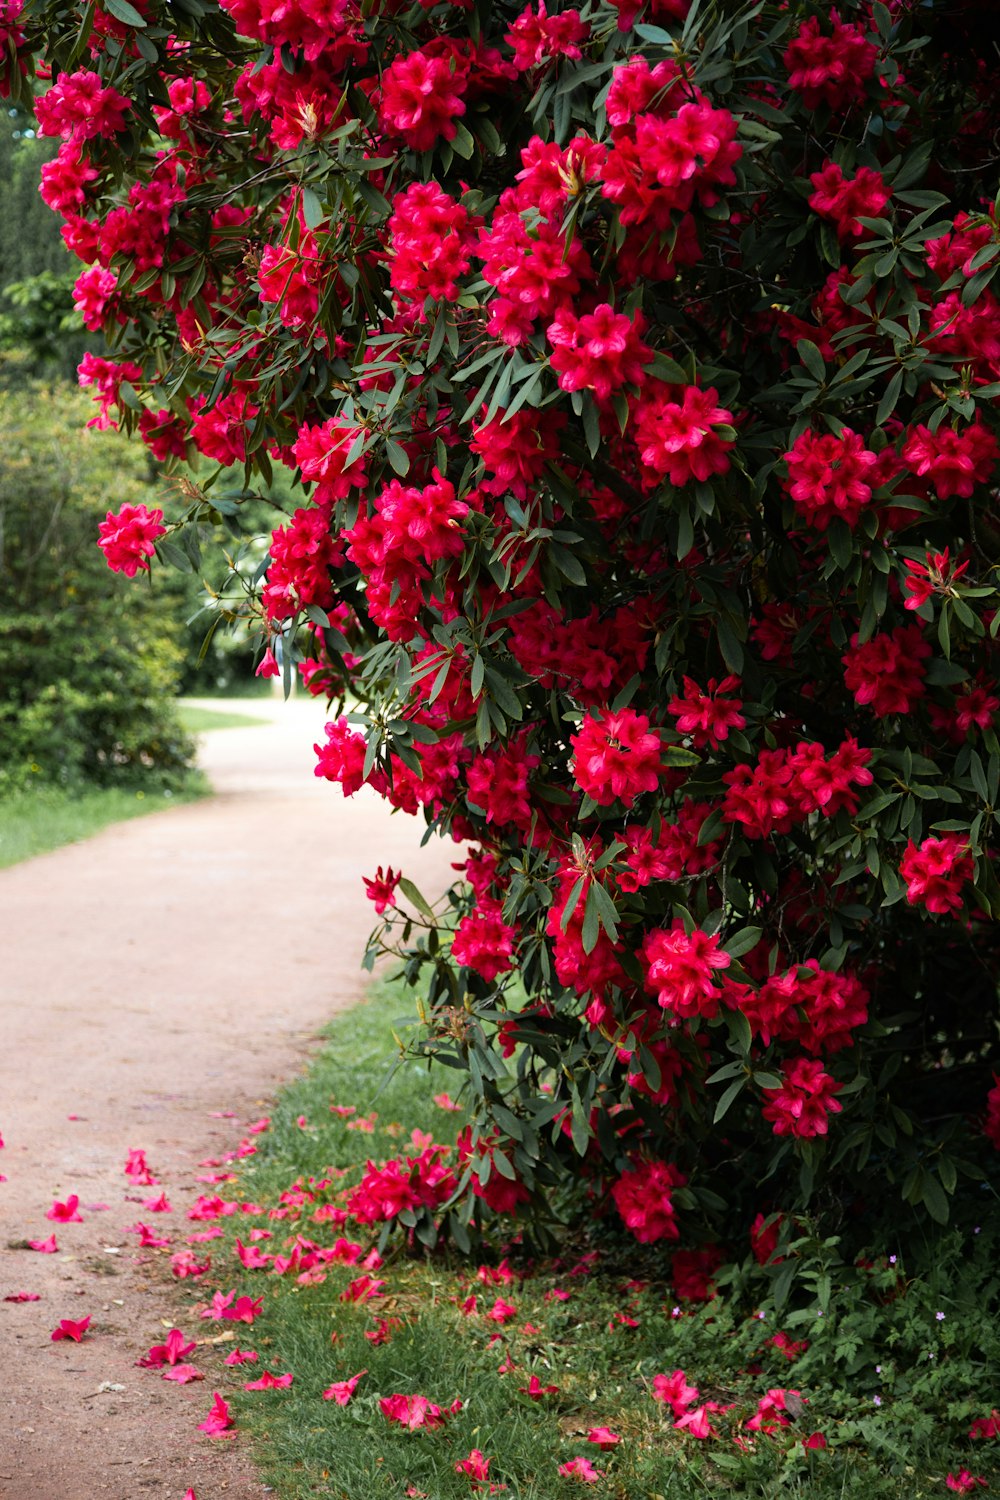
{"x":674,"y":1391}
{"x":986,"y":1427}
{"x":536,"y":1390}
{"x":680,"y":970}
{"x":829,"y":69}
{"x":887,"y":671}
{"x":935,"y":872}
{"x":599,"y":351}
{"x":706,"y":715}
{"x":801,"y":1105}
{"x":70,"y":1329}
{"x":642,"y":1197}
{"x":422,"y":99}
{"x":127,"y":538}
{"x":171,"y":1352}
{"x":580,"y":1468}
{"x":382,"y":888}
{"x":965,"y":1482}
{"x":65,"y":1213}
{"x":953,"y":461}
{"x":269,"y":1382}
{"x":675,"y":438}
{"x":843,"y":199}
{"x":218,"y":1419}
{"x":830,"y":476}
{"x":616,"y":756}
{"x":341,"y":1391}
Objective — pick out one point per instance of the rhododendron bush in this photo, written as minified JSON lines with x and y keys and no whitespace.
{"x":640,"y":365}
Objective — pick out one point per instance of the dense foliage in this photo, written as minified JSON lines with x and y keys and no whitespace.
{"x":89,"y":665}
{"x":642,"y":362}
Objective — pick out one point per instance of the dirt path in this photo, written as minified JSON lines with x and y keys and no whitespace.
{"x":168,"y":968}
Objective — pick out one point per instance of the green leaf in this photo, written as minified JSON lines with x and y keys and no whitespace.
{"x":728,"y":1099}
{"x":397,"y":456}
{"x":741,"y":942}
{"x":127,"y":14}
{"x":812,"y":359}
{"x":411,"y":893}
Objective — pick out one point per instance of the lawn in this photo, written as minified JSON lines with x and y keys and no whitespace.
{"x":35,"y":822}
{"x":196,"y":720}
{"x":887,"y":1361}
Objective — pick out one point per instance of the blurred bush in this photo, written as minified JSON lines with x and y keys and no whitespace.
{"x":89,"y":662}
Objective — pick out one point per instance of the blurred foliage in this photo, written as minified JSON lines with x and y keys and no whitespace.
{"x":89,"y":661}
{"x":37,"y":272}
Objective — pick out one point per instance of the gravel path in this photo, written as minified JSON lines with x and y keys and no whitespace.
{"x":165,"y":971}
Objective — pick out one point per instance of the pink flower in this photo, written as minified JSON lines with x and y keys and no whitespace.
{"x":268,"y":665}
{"x":476,"y":1466}
{"x":501,"y":1311}
{"x":697,"y":1422}
{"x":382,"y":888}
{"x":45,"y":1247}
{"x":674,"y":1391}
{"x":600,"y":351}
{"x":239,"y":1356}
{"x":616,"y":756}
{"x":830,"y":476}
{"x":158,"y":1205}
{"x":986,"y":1427}
{"x":65,"y":1213}
{"x":829,"y":68}
{"x":412,"y":1411}
{"x":22,"y":1297}
{"x":935,"y":872}
{"x":484,"y":941}
{"x":127,"y":538}
{"x":704,"y":714}
{"x":182,"y":1374}
{"x":680,"y":970}
{"x":642,"y":1197}
{"x":169,"y":1353}
{"x":70,"y":1329}
{"x":78,"y":108}
{"x":604,"y":1438}
{"x":953,"y":461}
{"x":582,"y":1469}
{"x":676,"y":438}
{"x":269,"y":1382}
{"x":814,"y":1440}
{"x":341,"y":1391}
{"x":422,"y":99}
{"x":218,"y":1419}
{"x":843,"y":199}
{"x":801,"y":1105}
{"x":965,"y":1482}
{"x":536,"y":1390}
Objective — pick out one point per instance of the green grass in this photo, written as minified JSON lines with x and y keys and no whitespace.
{"x":35,"y":822}
{"x":195,"y":719}
{"x":879,"y":1336}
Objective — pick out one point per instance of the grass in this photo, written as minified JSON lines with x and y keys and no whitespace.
{"x":877,"y":1336}
{"x":35,"y":822}
{"x":196,"y":720}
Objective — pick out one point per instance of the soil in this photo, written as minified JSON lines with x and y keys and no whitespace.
{"x":154,"y":977}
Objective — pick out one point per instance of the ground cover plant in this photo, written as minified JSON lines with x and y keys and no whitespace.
{"x":36,"y":821}
{"x":651,"y":445}
{"x":868,"y":1380}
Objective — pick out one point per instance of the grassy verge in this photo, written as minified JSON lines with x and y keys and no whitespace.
{"x":891,"y":1384}
{"x":196,"y":720}
{"x":35,"y":822}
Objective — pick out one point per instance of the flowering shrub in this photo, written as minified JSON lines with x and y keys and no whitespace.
{"x":650,"y":451}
